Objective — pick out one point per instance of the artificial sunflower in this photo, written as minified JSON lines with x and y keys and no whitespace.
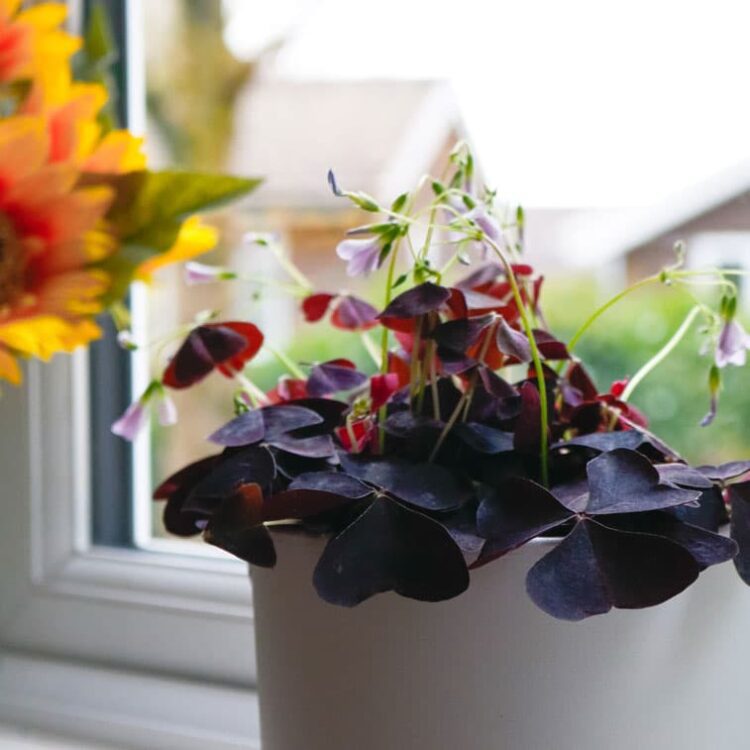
{"x":80,"y":215}
{"x":49,"y":239}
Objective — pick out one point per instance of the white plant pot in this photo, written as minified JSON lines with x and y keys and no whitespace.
{"x":489,"y":671}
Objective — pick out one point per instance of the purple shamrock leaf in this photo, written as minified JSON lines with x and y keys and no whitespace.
{"x":739,"y":498}
{"x":424,"y":485}
{"x":234,"y":527}
{"x":484,"y":439}
{"x":512,"y":343}
{"x":333,"y":377}
{"x":390,"y":547}
{"x":596,"y":568}
{"x":515,"y":512}
{"x":335,"y":482}
{"x":624,"y":481}
{"x":252,"y":465}
{"x":422,"y":299}
{"x":245,"y":429}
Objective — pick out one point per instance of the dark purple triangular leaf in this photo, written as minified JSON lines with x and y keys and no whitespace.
{"x":291,"y":466}
{"x":549,"y":347}
{"x":186,"y":478}
{"x":515,"y":512}
{"x":682,"y":475}
{"x":606,"y":441}
{"x":739,"y":498}
{"x":354,"y":314}
{"x":462,"y":526}
{"x":495,"y":385}
{"x":483,"y":275}
{"x":390,"y":548}
{"x":329,"y":378}
{"x":235,"y":528}
{"x":425,"y":485}
{"x":328,"y":409}
{"x":624,"y":481}
{"x":417,"y":301}
{"x":725,"y":472}
{"x":404,"y":424}
{"x":178,"y":521}
{"x":484,"y":439}
{"x":253,"y":465}
{"x":335,"y":482}
{"x":706,"y":547}
{"x":709,"y":513}
{"x":317,"y":446}
{"x":512,"y":343}
{"x":596,"y":568}
{"x":573,"y":494}
{"x":245,"y":429}
{"x":283,"y":418}
{"x":300,"y":503}
{"x":456,"y":336}
{"x":202,"y":350}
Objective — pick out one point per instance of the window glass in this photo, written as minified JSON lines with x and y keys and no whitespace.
{"x":618,"y":131}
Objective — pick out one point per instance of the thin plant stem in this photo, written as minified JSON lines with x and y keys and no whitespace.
{"x":606,"y":306}
{"x":535,"y":356}
{"x":372,"y":349}
{"x":256,"y":395}
{"x":434,"y":387}
{"x":661,"y":355}
{"x":291,"y":366}
{"x":455,"y":414}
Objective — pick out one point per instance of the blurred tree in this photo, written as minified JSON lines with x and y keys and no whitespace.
{"x":192,"y":93}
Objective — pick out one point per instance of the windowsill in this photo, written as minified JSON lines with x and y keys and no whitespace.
{"x":116,"y":709}
{"x":15,"y":738}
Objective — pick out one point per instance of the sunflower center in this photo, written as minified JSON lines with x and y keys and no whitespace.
{"x":12,"y":263}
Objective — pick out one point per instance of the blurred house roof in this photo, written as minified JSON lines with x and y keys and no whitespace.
{"x":378,"y":136}
{"x":720,"y":203}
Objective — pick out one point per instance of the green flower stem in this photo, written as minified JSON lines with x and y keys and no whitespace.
{"x":383,"y":411}
{"x":661,"y":355}
{"x":288,"y":265}
{"x":256,"y":395}
{"x":292,"y":367}
{"x":372,"y":349}
{"x":664,"y":277}
{"x":610,"y":303}
{"x":535,"y":356}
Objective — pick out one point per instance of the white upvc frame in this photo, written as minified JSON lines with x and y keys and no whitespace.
{"x":119,"y":645}
{"x":136,"y":615}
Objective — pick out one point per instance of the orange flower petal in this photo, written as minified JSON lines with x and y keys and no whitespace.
{"x":119,"y":152}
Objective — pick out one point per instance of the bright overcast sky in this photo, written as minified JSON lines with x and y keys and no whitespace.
{"x":569,"y":103}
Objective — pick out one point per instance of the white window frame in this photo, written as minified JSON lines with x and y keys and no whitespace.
{"x":114,"y":645}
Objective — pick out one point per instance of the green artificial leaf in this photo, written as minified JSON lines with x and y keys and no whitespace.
{"x":150,"y":209}
{"x":153,"y":205}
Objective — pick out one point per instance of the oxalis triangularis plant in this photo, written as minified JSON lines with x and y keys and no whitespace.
{"x":477,"y":432}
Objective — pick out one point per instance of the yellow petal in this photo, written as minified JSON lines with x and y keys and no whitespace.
{"x":194,"y":239}
{"x":45,"y":16}
{"x":9,"y":369}
{"x":42,"y":336}
{"x":8,"y":8}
